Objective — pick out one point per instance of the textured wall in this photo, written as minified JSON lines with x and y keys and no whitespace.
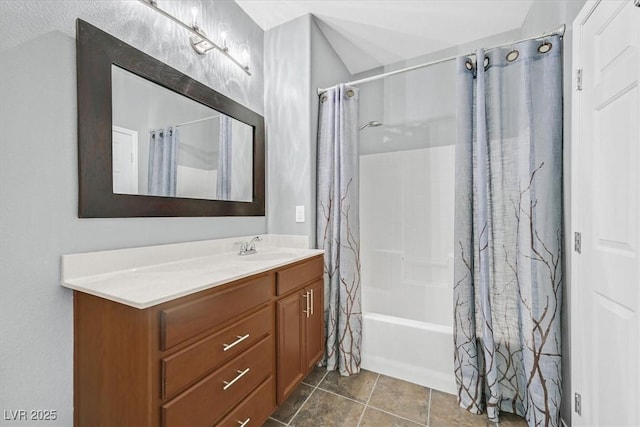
{"x":138,"y":25}
{"x":298,"y":60}
{"x":286,"y":99}
{"x":38,"y":175}
{"x":327,"y":69}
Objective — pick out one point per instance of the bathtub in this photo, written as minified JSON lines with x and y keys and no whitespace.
{"x":418,"y":352}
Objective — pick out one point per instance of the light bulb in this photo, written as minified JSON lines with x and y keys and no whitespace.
{"x":223,"y":30}
{"x":245,"y":55}
{"x":194,"y":16}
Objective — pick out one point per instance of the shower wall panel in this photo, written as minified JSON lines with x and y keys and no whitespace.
{"x":407,"y":200}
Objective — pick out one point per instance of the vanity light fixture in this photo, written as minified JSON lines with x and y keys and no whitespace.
{"x":199,"y":40}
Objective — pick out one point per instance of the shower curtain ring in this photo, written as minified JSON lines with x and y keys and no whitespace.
{"x":546,"y":45}
{"x":513,"y":54}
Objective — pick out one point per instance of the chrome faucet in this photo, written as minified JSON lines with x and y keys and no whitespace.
{"x":247,"y":248}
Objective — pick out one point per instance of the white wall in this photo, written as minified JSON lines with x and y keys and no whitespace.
{"x":38,"y":175}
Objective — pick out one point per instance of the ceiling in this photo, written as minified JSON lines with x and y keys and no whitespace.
{"x":372,"y":33}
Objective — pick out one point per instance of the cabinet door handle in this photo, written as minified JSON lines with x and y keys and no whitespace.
{"x":306,"y":297}
{"x":244,"y":423}
{"x":311,"y":305}
{"x":241,"y":338}
{"x":241,"y":374}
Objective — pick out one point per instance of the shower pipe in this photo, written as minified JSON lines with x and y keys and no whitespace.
{"x":559,"y":32}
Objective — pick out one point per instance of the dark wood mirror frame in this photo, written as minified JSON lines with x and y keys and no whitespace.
{"x":96,"y":52}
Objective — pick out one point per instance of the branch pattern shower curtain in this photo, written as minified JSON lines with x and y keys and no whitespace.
{"x":223,"y":181}
{"x":163,"y":162}
{"x":338,"y":226}
{"x":508,"y":232}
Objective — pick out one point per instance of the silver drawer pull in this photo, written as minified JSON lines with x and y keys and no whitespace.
{"x":241,"y":374}
{"x":244,"y":423}
{"x":226,"y":347}
{"x":311,"y":305}
{"x":306,"y":303}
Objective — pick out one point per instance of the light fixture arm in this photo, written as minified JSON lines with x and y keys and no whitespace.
{"x":197,"y":32}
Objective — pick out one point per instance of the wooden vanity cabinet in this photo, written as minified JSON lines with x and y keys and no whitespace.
{"x":299,"y":323}
{"x":200,"y":360}
{"x":213,"y":358}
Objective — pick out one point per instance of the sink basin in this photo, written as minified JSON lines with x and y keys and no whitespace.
{"x":271,"y":255}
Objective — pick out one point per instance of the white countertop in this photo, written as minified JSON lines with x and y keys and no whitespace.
{"x":144,"y":277}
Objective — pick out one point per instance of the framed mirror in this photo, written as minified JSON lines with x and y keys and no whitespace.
{"x":155,"y":142}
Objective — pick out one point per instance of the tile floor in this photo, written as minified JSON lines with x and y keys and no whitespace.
{"x":325,"y":399}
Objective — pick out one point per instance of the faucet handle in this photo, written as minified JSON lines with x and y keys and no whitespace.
{"x":243,"y":246}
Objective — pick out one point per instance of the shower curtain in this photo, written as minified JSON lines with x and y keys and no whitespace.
{"x":223,"y":182}
{"x":338,"y":226}
{"x":508,"y":232}
{"x":163,"y":162}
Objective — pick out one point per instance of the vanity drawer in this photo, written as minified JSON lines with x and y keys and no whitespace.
{"x":294,"y":277}
{"x":207,"y":401}
{"x":180,"y":323}
{"x":255,"y":409}
{"x":182,"y":368}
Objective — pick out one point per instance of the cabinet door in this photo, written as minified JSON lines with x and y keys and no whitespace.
{"x":290,"y":324}
{"x":314,"y":325}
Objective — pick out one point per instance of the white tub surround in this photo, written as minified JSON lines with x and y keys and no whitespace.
{"x":413,"y":351}
{"x":147,"y":276}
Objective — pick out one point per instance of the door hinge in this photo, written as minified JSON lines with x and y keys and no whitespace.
{"x":577,"y":404}
{"x":579,"y":79}
{"x":577,"y":242}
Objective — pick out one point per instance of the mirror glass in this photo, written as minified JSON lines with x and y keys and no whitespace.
{"x":165,"y":144}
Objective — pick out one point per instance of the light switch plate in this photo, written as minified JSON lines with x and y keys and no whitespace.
{"x":299,"y":213}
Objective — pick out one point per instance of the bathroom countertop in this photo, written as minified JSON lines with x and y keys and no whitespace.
{"x":115,"y":275}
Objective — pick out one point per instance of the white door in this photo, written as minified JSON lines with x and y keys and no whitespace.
{"x":125,"y":160}
{"x":605,"y":202}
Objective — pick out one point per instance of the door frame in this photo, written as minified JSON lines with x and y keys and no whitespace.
{"x":576,"y":308}
{"x":134,"y":151}
{"x":575,"y":295}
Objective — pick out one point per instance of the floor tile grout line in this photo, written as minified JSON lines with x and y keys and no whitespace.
{"x":301,"y":406}
{"x":340,"y":395}
{"x":366,"y":405}
{"x":397,"y":416}
{"x":429,"y":408}
{"x":308,"y":397}
{"x":369,"y":406}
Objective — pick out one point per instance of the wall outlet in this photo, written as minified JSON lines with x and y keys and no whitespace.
{"x":299,"y":213}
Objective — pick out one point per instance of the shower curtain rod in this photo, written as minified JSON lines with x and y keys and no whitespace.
{"x":191,"y":122}
{"x":196,"y":121}
{"x":559,"y":31}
